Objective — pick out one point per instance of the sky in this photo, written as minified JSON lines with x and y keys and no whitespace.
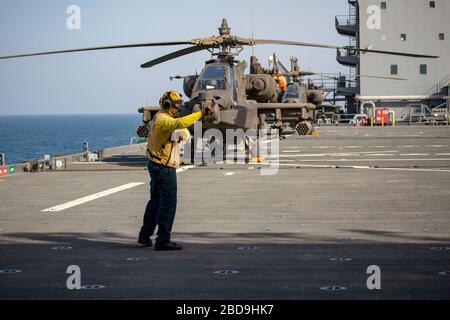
{"x":112,"y":82}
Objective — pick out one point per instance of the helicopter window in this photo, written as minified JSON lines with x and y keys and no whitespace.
{"x":233,"y":84}
{"x":214,"y":72}
{"x":230,"y":78}
{"x":292,"y":92}
{"x":211,"y":84}
{"x":212,"y":78}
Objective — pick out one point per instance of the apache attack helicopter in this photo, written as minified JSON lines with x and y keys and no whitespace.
{"x":247,"y":101}
{"x":241,"y":101}
{"x":270,"y":113}
{"x":299,"y":90}
{"x":294,"y":93}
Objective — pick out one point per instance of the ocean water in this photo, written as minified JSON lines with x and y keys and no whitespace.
{"x":31,"y":137}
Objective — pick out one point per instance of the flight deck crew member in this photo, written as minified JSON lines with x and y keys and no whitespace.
{"x":163,"y":154}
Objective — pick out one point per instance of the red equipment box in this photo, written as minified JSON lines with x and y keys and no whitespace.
{"x":382,"y":116}
{"x":3,"y":171}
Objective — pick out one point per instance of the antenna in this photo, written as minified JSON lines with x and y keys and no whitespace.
{"x":253,"y":30}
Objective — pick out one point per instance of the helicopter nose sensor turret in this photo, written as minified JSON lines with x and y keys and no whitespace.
{"x":202,"y":100}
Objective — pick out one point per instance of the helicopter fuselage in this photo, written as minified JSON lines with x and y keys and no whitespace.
{"x":223,"y":83}
{"x":241,"y":101}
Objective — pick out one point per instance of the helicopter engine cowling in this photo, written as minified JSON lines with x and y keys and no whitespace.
{"x":261,"y":87}
{"x":315,"y":97}
{"x":188,"y":85}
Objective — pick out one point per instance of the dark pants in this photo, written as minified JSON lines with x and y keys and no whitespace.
{"x":161,"y":208}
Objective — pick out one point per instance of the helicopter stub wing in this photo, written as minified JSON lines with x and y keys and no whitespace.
{"x":149,"y":108}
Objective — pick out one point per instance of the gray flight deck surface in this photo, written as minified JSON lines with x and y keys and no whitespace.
{"x":379,"y":196}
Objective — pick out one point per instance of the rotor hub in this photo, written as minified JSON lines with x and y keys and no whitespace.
{"x":224,"y":29}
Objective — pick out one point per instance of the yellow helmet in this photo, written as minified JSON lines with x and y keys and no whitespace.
{"x":171,"y":99}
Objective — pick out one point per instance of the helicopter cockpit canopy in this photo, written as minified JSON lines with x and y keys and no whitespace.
{"x":212,"y":78}
{"x":292,"y":92}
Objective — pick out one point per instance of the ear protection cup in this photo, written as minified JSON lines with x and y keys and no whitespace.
{"x":166,"y":104}
{"x":170,"y":99}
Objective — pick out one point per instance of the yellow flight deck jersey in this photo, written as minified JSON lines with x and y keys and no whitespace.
{"x":160,"y":148}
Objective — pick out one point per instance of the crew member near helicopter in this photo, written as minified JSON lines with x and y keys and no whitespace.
{"x":282,"y":87}
{"x":163,"y":153}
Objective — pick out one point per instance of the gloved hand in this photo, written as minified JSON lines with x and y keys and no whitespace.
{"x":207,"y":110}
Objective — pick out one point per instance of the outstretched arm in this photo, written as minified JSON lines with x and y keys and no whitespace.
{"x":168,"y":125}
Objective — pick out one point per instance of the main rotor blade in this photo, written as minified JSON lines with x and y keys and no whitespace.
{"x":335,"y":76}
{"x":174,"y":55}
{"x":316,"y":45}
{"x":378,"y":77}
{"x":307,"y":73}
{"x":137,"y":45}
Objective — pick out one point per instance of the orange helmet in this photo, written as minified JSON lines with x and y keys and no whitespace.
{"x":282,"y":83}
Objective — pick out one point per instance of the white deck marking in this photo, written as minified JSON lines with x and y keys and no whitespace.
{"x":185,"y":168}
{"x":232,"y":162}
{"x":93,"y":162}
{"x":324,"y":147}
{"x":367,"y":160}
{"x":94,"y":196}
{"x":305,"y":155}
{"x":346,"y":154}
{"x":102,"y":194}
{"x":394,"y":151}
{"x":407,"y":169}
{"x":362,"y":167}
{"x":442,"y":154}
{"x":291,"y":151}
{"x":229,"y":173}
{"x":271,"y":140}
{"x":415,"y":154}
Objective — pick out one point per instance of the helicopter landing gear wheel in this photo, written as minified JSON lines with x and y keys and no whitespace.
{"x":192,"y":150}
{"x":236,"y":153}
{"x":304,"y":128}
{"x":336,"y":119}
{"x":248,"y":149}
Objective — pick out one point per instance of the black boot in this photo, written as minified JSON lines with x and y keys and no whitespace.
{"x":145,"y":241}
{"x":167,"y":246}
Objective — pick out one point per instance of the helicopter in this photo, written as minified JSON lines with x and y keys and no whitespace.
{"x":240,"y":101}
{"x":269,"y":112}
{"x":298,"y":90}
{"x":247,"y":101}
{"x":292,"y":91}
